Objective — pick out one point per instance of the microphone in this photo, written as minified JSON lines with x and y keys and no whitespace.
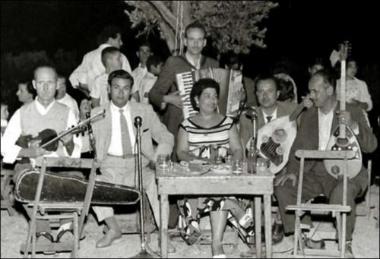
{"x":138,"y":121}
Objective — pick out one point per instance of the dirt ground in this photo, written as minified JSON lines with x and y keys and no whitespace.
{"x":14,"y":231}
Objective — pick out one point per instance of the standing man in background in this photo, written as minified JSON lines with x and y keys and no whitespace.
{"x":165,"y":94}
{"x":83,"y":77}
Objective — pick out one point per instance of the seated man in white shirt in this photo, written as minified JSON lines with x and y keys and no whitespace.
{"x":63,"y":97}
{"x":115,"y":137}
{"x":84,"y":75}
{"x":154,"y":65}
{"x":31,"y":119}
{"x":111,"y":59}
{"x":314,"y":132}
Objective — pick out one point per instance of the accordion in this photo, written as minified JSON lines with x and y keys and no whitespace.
{"x":230,"y":95}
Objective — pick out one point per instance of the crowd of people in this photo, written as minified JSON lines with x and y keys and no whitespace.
{"x":107,"y":82}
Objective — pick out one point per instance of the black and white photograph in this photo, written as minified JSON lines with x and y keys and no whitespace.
{"x":190,"y":129}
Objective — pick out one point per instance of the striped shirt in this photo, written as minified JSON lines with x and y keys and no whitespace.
{"x":202,"y":140}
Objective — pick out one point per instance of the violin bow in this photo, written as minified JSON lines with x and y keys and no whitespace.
{"x":79,"y":125}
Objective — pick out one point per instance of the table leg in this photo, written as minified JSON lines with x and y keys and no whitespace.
{"x":268,"y":225}
{"x":258,"y":225}
{"x":164,"y":211}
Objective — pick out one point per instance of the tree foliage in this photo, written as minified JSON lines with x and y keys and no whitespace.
{"x":231,"y":25}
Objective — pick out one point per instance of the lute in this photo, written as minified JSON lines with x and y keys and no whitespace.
{"x":275,"y":139}
{"x":343,"y":138}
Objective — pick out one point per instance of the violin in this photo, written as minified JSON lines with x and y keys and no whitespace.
{"x":49,"y":138}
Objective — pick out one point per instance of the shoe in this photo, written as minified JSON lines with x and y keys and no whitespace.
{"x":109,"y":238}
{"x":277,"y":233}
{"x":45,"y":234}
{"x":314,"y":244}
{"x":219,"y":256}
{"x":63,"y":230}
{"x":348,"y":253}
{"x":45,"y":238}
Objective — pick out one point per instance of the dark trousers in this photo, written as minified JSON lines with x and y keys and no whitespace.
{"x":317,"y":181}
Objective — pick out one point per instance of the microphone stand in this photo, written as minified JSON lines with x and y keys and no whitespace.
{"x":91,"y":136}
{"x":143,"y":253}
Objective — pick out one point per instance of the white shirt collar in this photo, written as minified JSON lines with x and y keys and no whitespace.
{"x":324,"y":128}
{"x":127,"y":114}
{"x":114,"y":108}
{"x":191,"y":60}
{"x":42,"y":109}
{"x":274,"y":115}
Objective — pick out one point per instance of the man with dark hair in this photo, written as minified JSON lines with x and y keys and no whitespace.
{"x":314,"y":132}
{"x":84,"y":75}
{"x":115,"y":138}
{"x":144,"y":52}
{"x":269,"y":108}
{"x":111,"y":60}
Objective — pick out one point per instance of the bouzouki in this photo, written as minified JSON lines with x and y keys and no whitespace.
{"x":275,"y":139}
{"x":343,"y":138}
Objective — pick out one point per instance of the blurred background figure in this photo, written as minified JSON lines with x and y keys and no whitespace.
{"x":63,"y":97}
{"x":26,"y":92}
{"x":154,"y":65}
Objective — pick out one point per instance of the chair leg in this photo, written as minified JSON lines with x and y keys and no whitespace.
{"x":368,"y":198}
{"x":339,"y":230}
{"x":297,"y":231}
{"x":343,"y":244}
{"x":34,"y":239}
{"x":76,"y":235}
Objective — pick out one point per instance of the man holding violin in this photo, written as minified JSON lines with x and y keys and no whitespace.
{"x":26,"y":130}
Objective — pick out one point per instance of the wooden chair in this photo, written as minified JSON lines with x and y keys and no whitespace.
{"x":73,"y":208}
{"x":338,"y":211}
{"x":7,"y":200}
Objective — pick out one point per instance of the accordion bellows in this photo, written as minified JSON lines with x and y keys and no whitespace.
{"x":230,"y":82}
{"x":63,"y":188}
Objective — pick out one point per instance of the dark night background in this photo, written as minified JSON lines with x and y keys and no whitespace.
{"x":297,"y":31}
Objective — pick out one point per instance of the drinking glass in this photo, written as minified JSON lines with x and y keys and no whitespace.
{"x":163,"y":162}
{"x":237,"y":166}
{"x":262,"y":164}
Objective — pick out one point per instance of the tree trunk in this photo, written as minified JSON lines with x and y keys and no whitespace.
{"x":168,"y":24}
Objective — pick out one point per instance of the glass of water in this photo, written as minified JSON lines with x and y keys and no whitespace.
{"x":163,"y":162}
{"x":237,"y":166}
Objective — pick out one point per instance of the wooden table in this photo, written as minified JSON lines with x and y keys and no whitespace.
{"x":257,"y":185}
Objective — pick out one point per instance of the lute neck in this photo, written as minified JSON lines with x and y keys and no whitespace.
{"x":342,"y":103}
